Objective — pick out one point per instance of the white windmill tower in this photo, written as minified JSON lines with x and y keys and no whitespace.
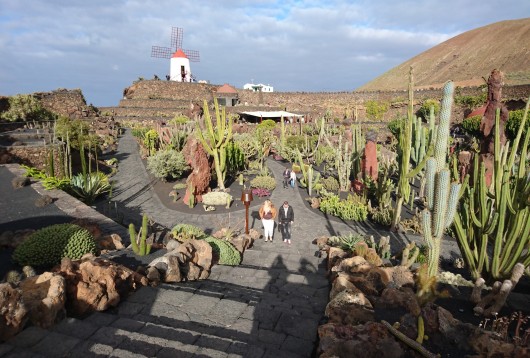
{"x":179,"y":68}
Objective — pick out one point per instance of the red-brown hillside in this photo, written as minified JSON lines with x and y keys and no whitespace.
{"x":467,"y":59}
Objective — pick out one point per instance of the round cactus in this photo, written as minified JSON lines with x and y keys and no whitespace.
{"x":47,"y":246}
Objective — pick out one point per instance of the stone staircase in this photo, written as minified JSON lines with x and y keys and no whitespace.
{"x":245,"y":311}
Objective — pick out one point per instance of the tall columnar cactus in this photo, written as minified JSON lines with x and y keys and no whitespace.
{"x":492,"y":224}
{"x":139,"y":241}
{"x":358,"y":144}
{"x":214,"y":140}
{"x":343,"y":162}
{"x":404,"y":156}
{"x":282,"y":136}
{"x":441,"y":194}
{"x":309,"y":176}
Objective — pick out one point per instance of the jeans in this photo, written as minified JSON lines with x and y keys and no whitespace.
{"x":286,"y":181}
{"x":285,"y":229}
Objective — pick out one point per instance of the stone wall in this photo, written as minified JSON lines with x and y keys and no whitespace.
{"x":36,"y":157}
{"x":311,"y":104}
{"x":69,"y":103}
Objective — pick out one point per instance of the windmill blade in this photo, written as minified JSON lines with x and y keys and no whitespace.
{"x":176,"y":37}
{"x":192,"y":55}
{"x":161,"y":52}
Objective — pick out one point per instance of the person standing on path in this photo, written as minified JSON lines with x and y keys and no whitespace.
{"x":286,"y":219}
{"x":293,"y":179}
{"x":286,"y":177}
{"x":267,"y":213}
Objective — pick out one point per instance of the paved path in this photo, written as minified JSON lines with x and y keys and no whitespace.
{"x":269,"y":306}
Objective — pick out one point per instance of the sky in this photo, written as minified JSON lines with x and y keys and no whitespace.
{"x":103,"y":46}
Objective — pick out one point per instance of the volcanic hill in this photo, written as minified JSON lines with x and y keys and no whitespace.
{"x":467,"y":59}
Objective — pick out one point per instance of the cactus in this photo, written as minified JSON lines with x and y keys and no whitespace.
{"x":214,"y":140}
{"x":358,"y":143}
{"x":492,"y":224}
{"x":139,"y":241}
{"x":404,"y":156}
{"x":442,"y":195}
{"x":309,"y":178}
{"x":408,"y":258}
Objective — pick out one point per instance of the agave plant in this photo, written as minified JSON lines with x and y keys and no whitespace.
{"x":87,"y":187}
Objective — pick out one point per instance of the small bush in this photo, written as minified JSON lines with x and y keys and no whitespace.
{"x":330,"y":184}
{"x":350,"y":209}
{"x":375,"y":110}
{"x":228,"y":254}
{"x":472,"y":125}
{"x":25,"y":107}
{"x":48,"y":246}
{"x":267,"y":124}
{"x":263,"y":182}
{"x":167,"y":164}
{"x":395,"y":126}
{"x":425,"y":109}
{"x":513,"y":123}
{"x":182,"y":232}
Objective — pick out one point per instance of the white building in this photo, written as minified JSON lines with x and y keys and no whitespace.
{"x":258,"y":87}
{"x":179,"y":69}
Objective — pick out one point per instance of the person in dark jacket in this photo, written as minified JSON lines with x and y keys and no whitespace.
{"x":286,"y":219}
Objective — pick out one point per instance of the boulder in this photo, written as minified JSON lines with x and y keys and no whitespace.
{"x":45,"y":298}
{"x":96,"y":284}
{"x":340,"y":284}
{"x":356,"y":264}
{"x":396,"y":299}
{"x":242,"y":242}
{"x":335,"y":254}
{"x":13,"y":312}
{"x":349,"y":307}
{"x":195,"y":259}
{"x":190,"y":261}
{"x":369,"y":340}
{"x":110,"y":242}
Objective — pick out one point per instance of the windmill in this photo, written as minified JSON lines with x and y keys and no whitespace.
{"x":179,"y":68}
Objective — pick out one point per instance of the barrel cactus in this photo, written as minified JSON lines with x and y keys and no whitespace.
{"x":47,"y":246}
{"x":228,"y":254}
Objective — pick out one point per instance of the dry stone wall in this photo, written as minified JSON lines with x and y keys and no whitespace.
{"x":69,"y":103}
{"x":156,"y":94}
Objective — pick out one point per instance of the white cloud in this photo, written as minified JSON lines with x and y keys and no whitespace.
{"x":103,"y":46}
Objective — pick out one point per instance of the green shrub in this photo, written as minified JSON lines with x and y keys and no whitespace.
{"x":425,"y":109}
{"x":471,"y":102}
{"x":139,"y":132}
{"x":395,"y":126}
{"x":330,"y":184}
{"x":325,"y":154}
{"x":382,"y":215}
{"x":179,"y":119}
{"x":167,"y":164}
{"x":228,"y":254}
{"x":263,"y":182}
{"x":47,"y":246}
{"x":187,"y":231}
{"x":513,"y":123}
{"x":350,"y":209}
{"x":267,"y":124}
{"x":375,"y":110}
{"x":25,"y":107}
{"x":472,"y":125}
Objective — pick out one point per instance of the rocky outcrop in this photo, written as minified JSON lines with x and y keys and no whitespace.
{"x":188,"y":261}
{"x":96,"y":284}
{"x":45,"y":298}
{"x":13,"y":311}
